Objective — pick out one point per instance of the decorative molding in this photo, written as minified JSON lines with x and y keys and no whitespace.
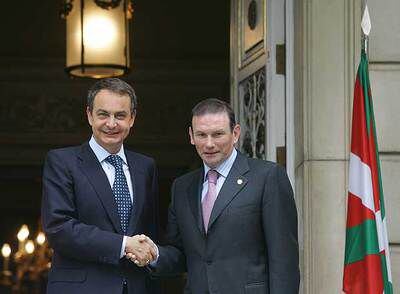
{"x":41,"y":113}
{"x":251,"y":30}
{"x":305,"y":31}
{"x":384,"y":66}
{"x":290,"y":91}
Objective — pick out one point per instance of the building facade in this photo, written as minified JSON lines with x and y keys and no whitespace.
{"x":306,"y":107}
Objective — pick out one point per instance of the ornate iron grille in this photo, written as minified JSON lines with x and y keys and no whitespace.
{"x":252,"y":115}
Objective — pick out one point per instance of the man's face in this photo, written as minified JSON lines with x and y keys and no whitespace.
{"x":213,"y":137}
{"x":111,"y":119}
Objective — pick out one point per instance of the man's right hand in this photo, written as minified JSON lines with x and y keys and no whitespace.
{"x":141,"y":250}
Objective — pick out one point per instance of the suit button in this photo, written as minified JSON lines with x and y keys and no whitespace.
{"x":209,"y":262}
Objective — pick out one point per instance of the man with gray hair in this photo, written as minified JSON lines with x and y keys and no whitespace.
{"x":95,"y":197}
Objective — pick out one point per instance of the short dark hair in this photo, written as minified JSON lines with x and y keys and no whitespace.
{"x":213,"y":106}
{"x":114,"y":85}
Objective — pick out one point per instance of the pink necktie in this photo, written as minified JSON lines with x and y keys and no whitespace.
{"x":211,"y":195}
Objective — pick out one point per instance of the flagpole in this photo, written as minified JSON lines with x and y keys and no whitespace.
{"x":364,"y":44}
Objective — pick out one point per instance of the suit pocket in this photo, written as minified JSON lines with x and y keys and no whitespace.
{"x":256,"y":288}
{"x":72,"y":275}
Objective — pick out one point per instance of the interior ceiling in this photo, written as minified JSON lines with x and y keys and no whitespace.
{"x":162,"y":29}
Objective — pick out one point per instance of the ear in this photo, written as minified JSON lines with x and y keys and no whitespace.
{"x":191,"y":135}
{"x":236,"y":133}
{"x":89,"y":116}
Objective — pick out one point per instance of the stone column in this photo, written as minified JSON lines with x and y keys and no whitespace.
{"x":324,"y":74}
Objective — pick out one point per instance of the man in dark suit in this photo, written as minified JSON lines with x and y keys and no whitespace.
{"x":95,"y":197}
{"x":232,"y":224}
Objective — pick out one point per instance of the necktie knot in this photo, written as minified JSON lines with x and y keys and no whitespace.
{"x":115,"y":161}
{"x":212,"y":176}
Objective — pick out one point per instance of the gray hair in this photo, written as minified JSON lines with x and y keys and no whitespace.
{"x":114,"y":85}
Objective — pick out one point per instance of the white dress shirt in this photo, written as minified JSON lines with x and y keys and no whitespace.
{"x":109,"y":169}
{"x":223,"y":170}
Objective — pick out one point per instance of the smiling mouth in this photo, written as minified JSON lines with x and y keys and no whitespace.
{"x":111,"y":133}
{"x":210,"y":153}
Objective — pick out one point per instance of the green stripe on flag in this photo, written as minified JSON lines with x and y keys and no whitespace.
{"x":387,"y":284}
{"x":361,"y":240}
{"x":381,"y":197}
{"x":378,"y":163}
{"x":369,"y":115}
{"x":369,"y":108}
{"x":364,"y":80}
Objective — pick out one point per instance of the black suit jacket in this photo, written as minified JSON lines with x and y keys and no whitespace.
{"x":251,"y":245}
{"x":80,"y":219}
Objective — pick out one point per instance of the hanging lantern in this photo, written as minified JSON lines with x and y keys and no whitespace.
{"x":97,"y":37}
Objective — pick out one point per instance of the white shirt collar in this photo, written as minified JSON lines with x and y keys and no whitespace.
{"x":102,"y":153}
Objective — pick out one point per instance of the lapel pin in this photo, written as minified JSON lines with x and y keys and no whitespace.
{"x":240,"y":181}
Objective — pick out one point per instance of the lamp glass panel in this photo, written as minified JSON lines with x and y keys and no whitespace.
{"x":73,"y":35}
{"x":104,"y":34}
{"x":104,"y":40}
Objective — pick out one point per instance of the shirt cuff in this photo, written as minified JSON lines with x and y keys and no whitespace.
{"x":154,"y":262}
{"x":122,"y":254}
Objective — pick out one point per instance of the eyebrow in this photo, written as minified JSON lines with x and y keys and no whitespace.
{"x":118,"y":112}
{"x":213,"y":132}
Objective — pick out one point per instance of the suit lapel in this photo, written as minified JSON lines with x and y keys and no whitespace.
{"x":139,"y":187}
{"x":234,"y":182}
{"x":194,"y":198}
{"x":91,"y":167}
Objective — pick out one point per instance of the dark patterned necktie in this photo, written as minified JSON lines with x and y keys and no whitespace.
{"x":121,"y":192}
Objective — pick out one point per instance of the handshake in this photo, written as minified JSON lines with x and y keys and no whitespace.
{"x":141,"y":250}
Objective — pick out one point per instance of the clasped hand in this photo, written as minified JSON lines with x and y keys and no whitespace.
{"x":141,"y":250}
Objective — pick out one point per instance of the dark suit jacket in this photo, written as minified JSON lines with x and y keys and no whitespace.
{"x":80,"y":219}
{"x":251,"y":245}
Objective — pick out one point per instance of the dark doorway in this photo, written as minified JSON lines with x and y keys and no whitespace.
{"x":180,"y":56}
